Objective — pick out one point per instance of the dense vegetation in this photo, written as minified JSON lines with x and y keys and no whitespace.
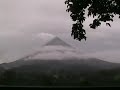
{"x":55,"y":73}
{"x":60,"y":78}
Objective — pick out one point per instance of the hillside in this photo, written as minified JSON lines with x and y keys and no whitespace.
{"x":84,"y":72}
{"x":94,"y":63}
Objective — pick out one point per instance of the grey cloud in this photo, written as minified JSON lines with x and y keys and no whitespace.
{"x":22,"y":20}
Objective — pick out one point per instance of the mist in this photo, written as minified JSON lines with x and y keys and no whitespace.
{"x":25,"y":25}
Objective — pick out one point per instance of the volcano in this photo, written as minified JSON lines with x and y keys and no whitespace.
{"x":58,"y":55}
{"x":55,"y":49}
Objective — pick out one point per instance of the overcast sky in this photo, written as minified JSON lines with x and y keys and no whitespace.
{"x":27,"y":24}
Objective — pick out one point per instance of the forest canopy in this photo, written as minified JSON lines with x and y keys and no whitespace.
{"x":100,"y":10}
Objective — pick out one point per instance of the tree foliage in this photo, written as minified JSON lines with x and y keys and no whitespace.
{"x":100,"y":10}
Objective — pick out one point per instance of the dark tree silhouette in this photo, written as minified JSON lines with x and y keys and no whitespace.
{"x":101,"y":10}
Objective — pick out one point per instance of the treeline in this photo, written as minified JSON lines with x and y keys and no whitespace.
{"x":13,"y":77}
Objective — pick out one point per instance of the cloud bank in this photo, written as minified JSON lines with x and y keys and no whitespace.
{"x":25,"y":25}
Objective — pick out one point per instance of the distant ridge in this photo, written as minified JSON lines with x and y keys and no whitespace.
{"x":57,"y":42}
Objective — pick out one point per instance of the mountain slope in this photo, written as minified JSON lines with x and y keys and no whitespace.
{"x":61,"y":65}
{"x":94,"y":64}
{"x":57,"y":42}
{"x":60,"y":54}
{"x":60,"y":73}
